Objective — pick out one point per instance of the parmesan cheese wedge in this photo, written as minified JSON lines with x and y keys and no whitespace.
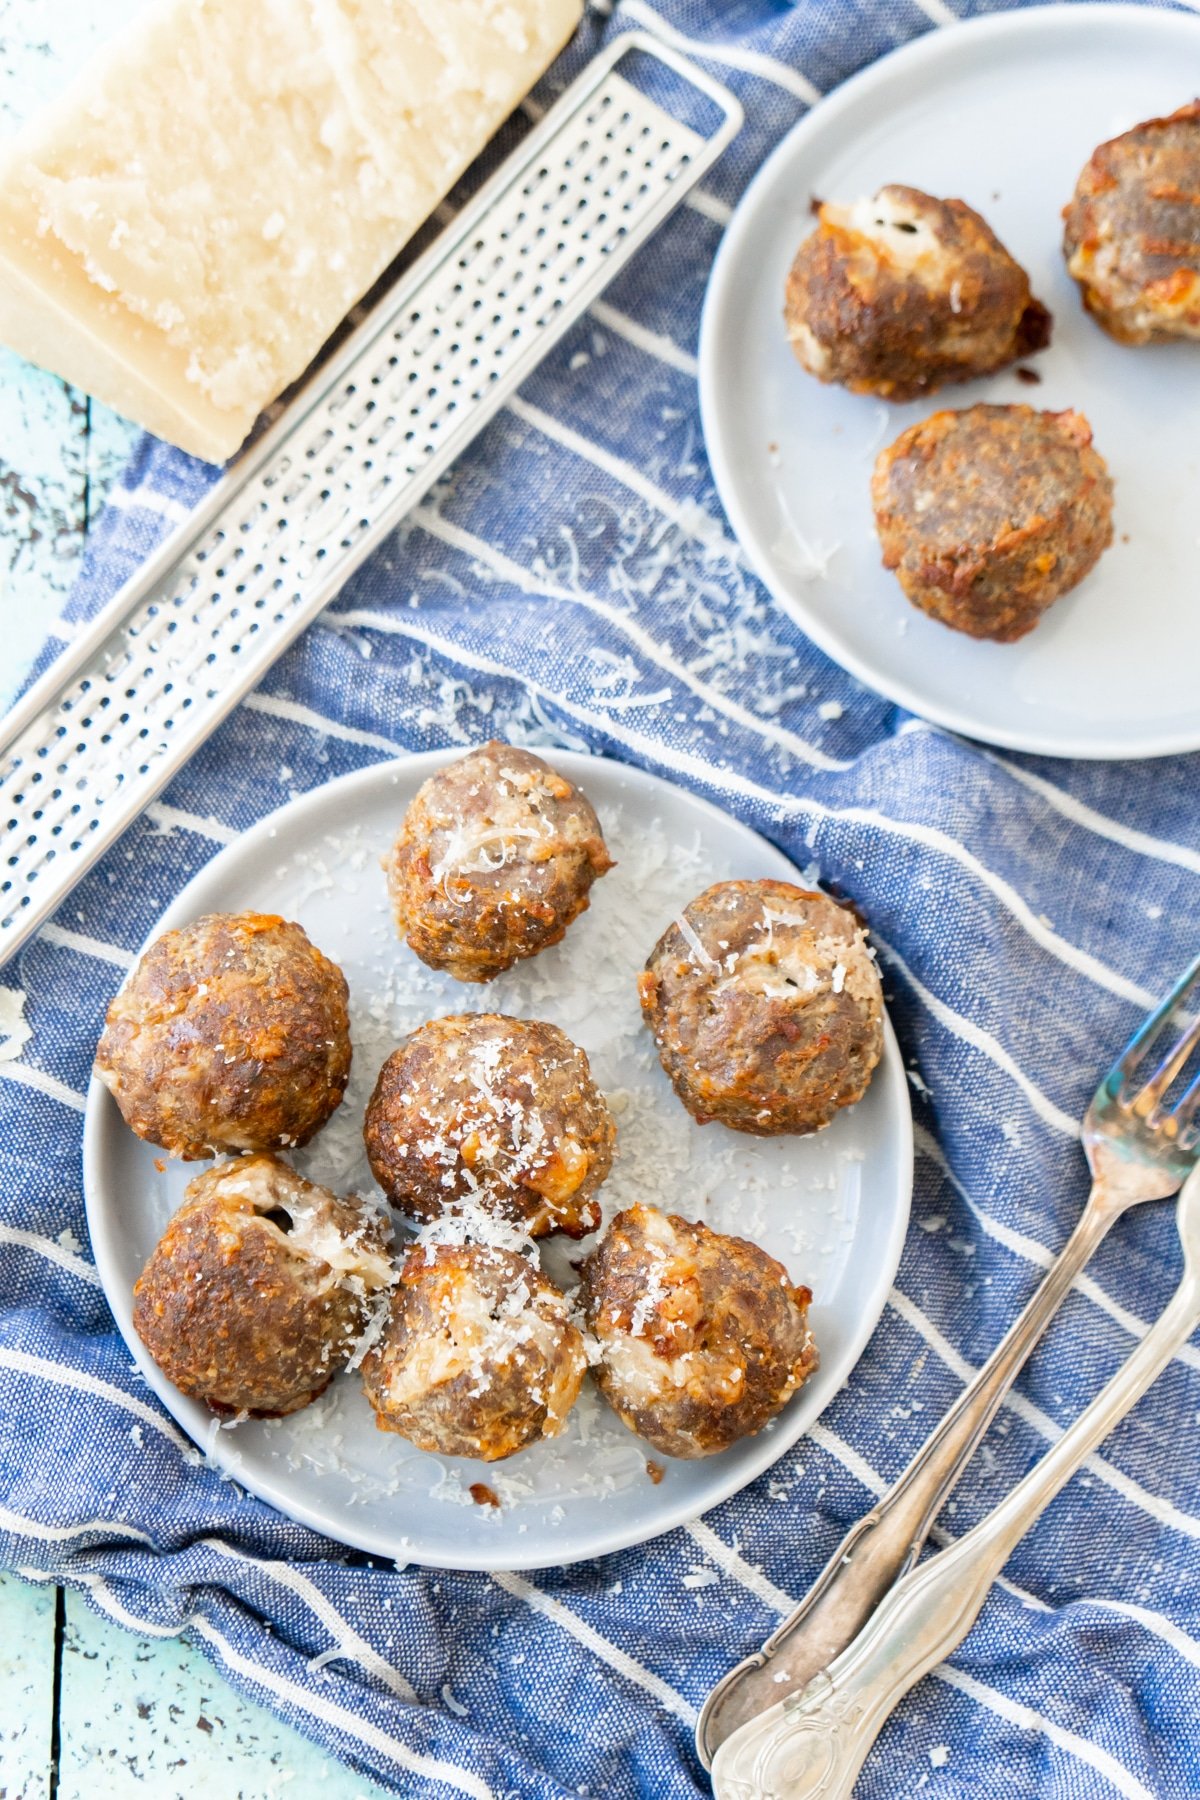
{"x":185,"y":227}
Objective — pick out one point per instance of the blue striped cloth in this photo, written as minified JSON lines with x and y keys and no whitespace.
{"x":1031,"y":909}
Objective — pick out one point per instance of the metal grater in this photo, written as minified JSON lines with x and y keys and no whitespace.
{"x":130,"y":700}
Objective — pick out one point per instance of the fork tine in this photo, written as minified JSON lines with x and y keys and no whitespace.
{"x":1151,"y":1092}
{"x":1131,"y":1057}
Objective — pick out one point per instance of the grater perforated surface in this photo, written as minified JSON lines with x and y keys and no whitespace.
{"x":101,"y":733}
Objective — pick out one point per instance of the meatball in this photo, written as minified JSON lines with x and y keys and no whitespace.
{"x":702,"y":1337}
{"x":898,"y":295}
{"x":495,"y":858}
{"x":988,"y":516}
{"x":231,"y":1034}
{"x":1132,"y":236}
{"x":257,"y":1291}
{"x":498,"y":1111}
{"x":766,"y":1007}
{"x":478,"y":1357}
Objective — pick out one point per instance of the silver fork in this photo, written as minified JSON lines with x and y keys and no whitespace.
{"x":812,"y":1746}
{"x":1138,"y":1148}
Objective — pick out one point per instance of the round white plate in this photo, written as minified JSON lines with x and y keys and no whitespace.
{"x":834,"y":1207}
{"x":1002,"y":112}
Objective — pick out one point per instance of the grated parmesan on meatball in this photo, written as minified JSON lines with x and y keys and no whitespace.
{"x":496,"y":856}
{"x":702,"y":1337}
{"x":479,"y":1356}
{"x":260,"y":1287}
{"x":899,"y":294}
{"x":766,"y":1007}
{"x":502,"y":1112}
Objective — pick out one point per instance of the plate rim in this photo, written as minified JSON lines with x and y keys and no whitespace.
{"x":906,"y":60}
{"x":102,"y":1117}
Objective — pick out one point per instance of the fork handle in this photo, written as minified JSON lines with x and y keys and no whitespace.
{"x":812,"y":1746}
{"x":887,"y":1540}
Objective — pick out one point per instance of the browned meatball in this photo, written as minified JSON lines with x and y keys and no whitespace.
{"x":499,"y":1111}
{"x":231,"y":1034}
{"x":989,"y":516}
{"x":259,"y":1287}
{"x":702,"y":1337}
{"x":766,"y":1007}
{"x":479,"y":1356}
{"x":898,"y":295}
{"x":496,"y":857}
{"x":1132,"y":237}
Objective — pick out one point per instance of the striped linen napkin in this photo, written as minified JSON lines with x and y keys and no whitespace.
{"x":1029,"y":910}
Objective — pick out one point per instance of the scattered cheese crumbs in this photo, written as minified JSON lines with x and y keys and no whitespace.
{"x":701,"y":1578}
{"x":939,"y":1755}
{"x":838,"y":978}
{"x":455,"y":1705}
{"x":15,"y":1033}
{"x":135,"y":1432}
{"x":831,"y":709}
{"x":1154,"y":912}
{"x":69,"y":1241}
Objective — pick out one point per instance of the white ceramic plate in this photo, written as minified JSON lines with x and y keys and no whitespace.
{"x":834,"y":1207}
{"x":1002,"y":112}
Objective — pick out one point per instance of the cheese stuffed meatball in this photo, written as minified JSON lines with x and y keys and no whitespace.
{"x":897,"y":295}
{"x":497,"y":1111}
{"x":232,"y":1033}
{"x":989,"y":516}
{"x":496,"y":856}
{"x":702,"y":1338}
{"x":1132,"y":232}
{"x":479,"y":1356}
{"x":259,"y":1288}
{"x":766,"y":1007}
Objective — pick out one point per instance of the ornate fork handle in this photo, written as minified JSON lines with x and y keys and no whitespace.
{"x":812,"y":1745}
{"x":888,"y":1539}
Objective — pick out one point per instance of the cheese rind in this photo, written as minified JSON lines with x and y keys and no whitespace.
{"x":182,"y":231}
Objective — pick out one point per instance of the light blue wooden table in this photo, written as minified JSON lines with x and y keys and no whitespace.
{"x":87,"y":1711}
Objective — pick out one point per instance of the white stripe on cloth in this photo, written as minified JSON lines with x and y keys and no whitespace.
{"x":1163,"y":1510}
{"x":937,"y":12}
{"x":22,"y":1526}
{"x":734,"y":1564}
{"x":729,"y":56}
{"x":1033,"y":1251}
{"x":663,"y":349}
{"x":25,"y":1075}
{"x":1029,"y":1720}
{"x":348,"y":1641}
{"x":65,"y":1375}
{"x":687,"y":515}
{"x":582,"y":1632}
{"x":979,"y":1039}
{"x":147,"y":500}
{"x":171,"y":818}
{"x":296,"y":714}
{"x":63,"y":939}
{"x":56,"y":1253}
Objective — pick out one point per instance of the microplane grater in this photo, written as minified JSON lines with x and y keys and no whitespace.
{"x":136,"y":693}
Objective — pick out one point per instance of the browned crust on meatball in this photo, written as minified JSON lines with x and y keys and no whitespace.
{"x":231,"y":1034}
{"x":237,"y":1305}
{"x":927,"y":298}
{"x":504,"y":1112}
{"x":496,"y":856}
{"x":479,"y":1356}
{"x":1132,"y":230}
{"x":757,"y":1027}
{"x":703,"y":1338}
{"x":989,"y":516}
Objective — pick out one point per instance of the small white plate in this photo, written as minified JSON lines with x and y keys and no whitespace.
{"x":1002,"y":112}
{"x":833,"y":1207}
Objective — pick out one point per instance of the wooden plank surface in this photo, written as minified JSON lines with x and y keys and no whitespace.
{"x":26,"y":1689}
